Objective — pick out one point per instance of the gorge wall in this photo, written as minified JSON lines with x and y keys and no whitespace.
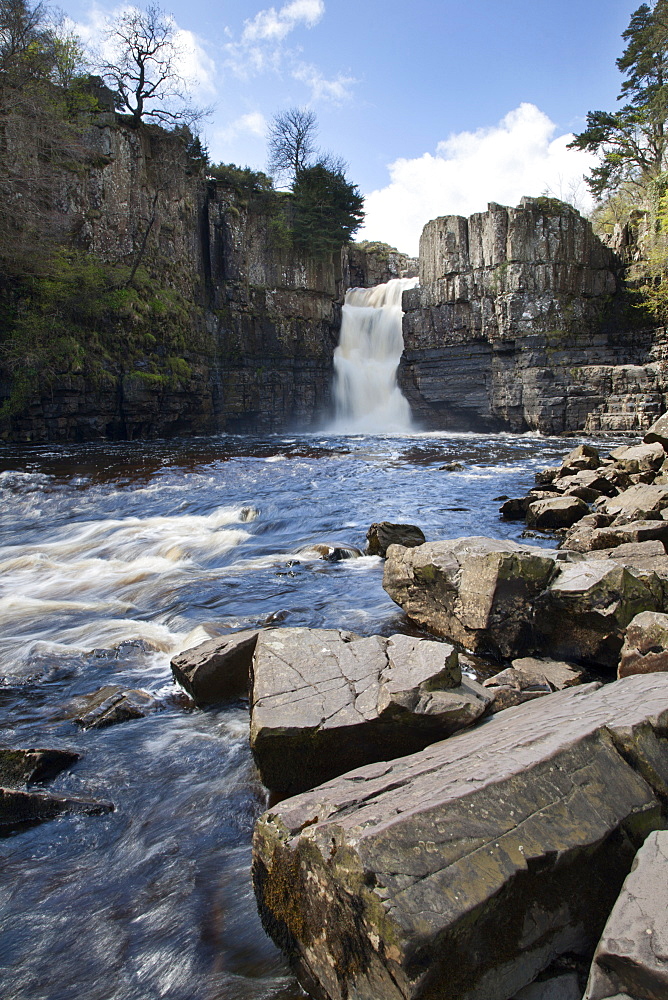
{"x":199,"y":317}
{"x":521,"y":322}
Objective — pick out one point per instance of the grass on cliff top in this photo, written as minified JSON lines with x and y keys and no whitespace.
{"x":83,"y":318}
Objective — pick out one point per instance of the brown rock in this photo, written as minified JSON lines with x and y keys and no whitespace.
{"x":463,"y":870}
{"x":639,"y":458}
{"x":24,"y":767}
{"x":110,"y":705}
{"x":631,"y":959}
{"x":20,"y":809}
{"x":658,"y":432}
{"x":582,"y":457}
{"x":383,"y":534}
{"x":529,"y":678}
{"x":645,"y":648}
{"x":637,"y":503}
{"x":560,"y":512}
{"x":217,"y":670}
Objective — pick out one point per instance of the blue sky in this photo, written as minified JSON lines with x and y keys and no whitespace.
{"x":438,"y":108}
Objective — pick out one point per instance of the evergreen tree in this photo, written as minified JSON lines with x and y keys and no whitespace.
{"x":328,"y":210}
{"x":633,"y":141}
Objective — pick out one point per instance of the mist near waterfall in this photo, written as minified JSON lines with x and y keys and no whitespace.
{"x":366,"y":395}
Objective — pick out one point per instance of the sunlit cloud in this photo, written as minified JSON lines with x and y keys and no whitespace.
{"x":273,"y":25}
{"x":252,"y":124}
{"x":519,"y":156}
{"x":335,"y":91}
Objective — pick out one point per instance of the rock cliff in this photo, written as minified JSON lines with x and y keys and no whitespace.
{"x":521,"y":322}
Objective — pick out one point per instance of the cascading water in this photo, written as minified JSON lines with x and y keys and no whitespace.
{"x":367,"y":397}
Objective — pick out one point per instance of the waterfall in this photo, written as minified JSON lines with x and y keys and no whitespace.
{"x":366,"y":394}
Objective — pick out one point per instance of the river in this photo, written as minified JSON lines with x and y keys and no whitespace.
{"x":111,"y":555}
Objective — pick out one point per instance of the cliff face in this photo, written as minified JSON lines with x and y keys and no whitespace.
{"x":218,"y":328}
{"x":520,"y":323}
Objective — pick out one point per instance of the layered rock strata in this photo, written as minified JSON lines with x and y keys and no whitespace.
{"x":462,"y":871}
{"x":519,"y":324}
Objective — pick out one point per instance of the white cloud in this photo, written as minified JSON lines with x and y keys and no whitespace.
{"x":260,"y":46}
{"x":253,"y":124}
{"x":273,"y":25}
{"x":517,"y":157}
{"x":335,"y":91}
{"x":192,"y":62}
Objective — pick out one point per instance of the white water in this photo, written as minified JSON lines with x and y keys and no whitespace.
{"x":367,"y":397}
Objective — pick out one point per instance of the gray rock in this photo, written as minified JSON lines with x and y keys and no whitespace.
{"x":639,"y":458}
{"x":560,"y":512}
{"x":632,"y":955}
{"x":478,"y":592}
{"x":325,"y":701}
{"x":515,"y":508}
{"x":110,"y":705}
{"x":333,"y":553}
{"x":463,"y":870}
{"x":583,"y":613}
{"x":608,"y":537}
{"x":583,"y":457}
{"x":637,"y":503}
{"x":24,"y":767}
{"x":383,"y":534}
{"x":20,"y":809}
{"x":645,"y":646}
{"x":217,"y":670}
{"x":563,"y":987}
{"x":658,"y":432}
{"x":529,"y":678}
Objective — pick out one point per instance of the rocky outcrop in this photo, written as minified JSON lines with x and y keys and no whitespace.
{"x":632,"y":956}
{"x":325,"y":701}
{"x":519,"y":323}
{"x":367,"y":264}
{"x":462,"y":871}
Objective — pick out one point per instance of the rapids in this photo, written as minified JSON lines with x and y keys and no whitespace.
{"x":112,"y":558}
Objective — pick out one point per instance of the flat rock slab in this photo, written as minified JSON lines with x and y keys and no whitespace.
{"x":217,"y":670}
{"x":463,"y":870}
{"x":325,"y":701}
{"x":20,"y":809}
{"x":639,"y":458}
{"x":632,"y":955}
{"x":645,"y":648}
{"x":24,"y":767}
{"x":637,"y":503}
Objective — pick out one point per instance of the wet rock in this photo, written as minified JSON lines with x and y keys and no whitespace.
{"x":24,"y":767}
{"x":463,"y":870}
{"x":632,"y":956}
{"x":639,"y":458}
{"x":478,"y":592}
{"x":383,"y":534}
{"x":658,"y":432}
{"x":547,"y":476}
{"x":333,"y":553}
{"x":637,"y":503}
{"x":529,"y":678}
{"x":111,"y":705}
{"x":584,"y":612}
{"x":325,"y":701}
{"x":217,"y":670}
{"x":514,"y":509}
{"x":645,"y":648}
{"x":451,"y":467}
{"x":560,"y":512}
{"x":20,"y":809}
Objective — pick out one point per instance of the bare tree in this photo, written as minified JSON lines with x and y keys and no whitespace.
{"x":291,"y":141}
{"x":145,"y":73}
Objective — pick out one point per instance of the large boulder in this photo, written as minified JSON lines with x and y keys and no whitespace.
{"x":25,"y":767}
{"x":645,"y":648}
{"x":383,"y":534}
{"x":631,"y":959}
{"x":463,"y":870}
{"x":556,"y":512}
{"x":325,"y":701}
{"x":583,"y":613}
{"x":658,"y":432}
{"x":637,"y":503}
{"x":217,"y":670}
{"x":639,"y":458}
{"x":588,"y":538}
{"x":476,"y":591}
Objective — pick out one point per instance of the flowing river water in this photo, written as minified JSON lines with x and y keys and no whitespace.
{"x":111,"y":555}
